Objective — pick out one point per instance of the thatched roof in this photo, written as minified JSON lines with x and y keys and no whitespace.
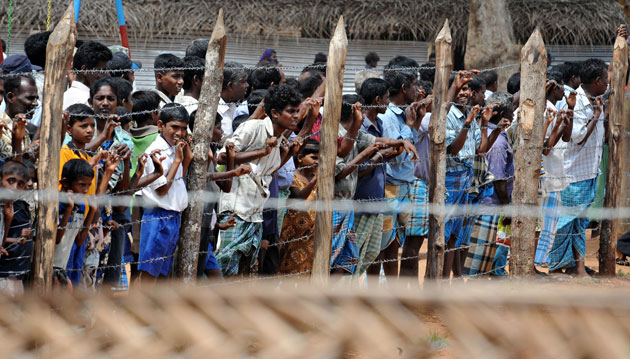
{"x":578,"y":22}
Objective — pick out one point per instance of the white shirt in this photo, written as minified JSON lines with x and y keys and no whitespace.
{"x":487,"y":94}
{"x":176,"y":199}
{"x":554,"y":179}
{"x":189,"y":102}
{"x":77,"y":93}
{"x":250,"y":192}
{"x":227,"y":112}
{"x":581,"y":162}
{"x":164,"y":99}
{"x":63,"y":249}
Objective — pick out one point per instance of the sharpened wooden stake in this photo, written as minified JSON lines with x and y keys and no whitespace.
{"x":328,"y":153}
{"x":616,"y":133}
{"x":58,"y":56}
{"x":437,"y":133}
{"x":202,"y":135}
{"x":528,"y":152}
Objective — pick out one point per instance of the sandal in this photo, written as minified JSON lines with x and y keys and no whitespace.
{"x":622,"y":262}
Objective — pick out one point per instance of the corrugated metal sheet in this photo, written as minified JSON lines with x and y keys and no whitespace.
{"x":297,"y":53}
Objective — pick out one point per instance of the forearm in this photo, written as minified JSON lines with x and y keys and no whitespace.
{"x":61,"y":230}
{"x":493,"y":138}
{"x":568,"y":130}
{"x":170,"y":176}
{"x":501,"y":189}
{"x":458,"y":143}
{"x":483,"y":146}
{"x":243,"y":157}
{"x":87,"y":224}
{"x":102,"y":186}
{"x":352,"y":165}
{"x":126,"y":180}
{"x":590,"y":127}
{"x":96,"y":142}
{"x":304,"y":192}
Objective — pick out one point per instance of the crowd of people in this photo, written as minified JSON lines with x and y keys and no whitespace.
{"x":119,"y":141}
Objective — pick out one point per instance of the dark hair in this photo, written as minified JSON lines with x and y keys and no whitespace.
{"x":166,"y":61}
{"x":124,"y":115}
{"x":310,"y":83}
{"x":198,"y":48}
{"x":90,"y":54}
{"x":591,"y":69}
{"x":569,"y":69}
{"x":12,"y":83}
{"x":489,"y":77}
{"x":232,"y":72}
{"x":13,"y":167}
{"x":346,"y":106}
{"x":554,"y":75}
{"x":311,"y":146}
{"x":35,"y":48}
{"x":189,"y":75}
{"x":174,"y":112}
{"x":402,"y":61}
{"x":4,"y":45}
{"x":372,"y":57}
{"x":144,"y":101}
{"x":427,"y":73}
{"x":262,"y":78}
{"x":78,"y":113}
{"x":279,"y":97}
{"x":373,"y":88}
{"x":477,"y":83}
{"x":292,"y":82}
{"x":427,"y":86}
{"x":254,"y":99}
{"x":514,"y":83}
{"x":75,"y":169}
{"x":397,"y":78}
{"x":98,"y":84}
{"x":239,"y":121}
{"x":320,"y":58}
{"x":193,"y":115}
{"x":123,"y":88}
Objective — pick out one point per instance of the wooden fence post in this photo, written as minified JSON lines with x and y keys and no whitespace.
{"x":328,"y":153}
{"x":58,"y":55}
{"x":437,"y":133}
{"x":616,"y":133}
{"x":202,"y":135}
{"x":528,"y":152}
{"x":624,"y":224}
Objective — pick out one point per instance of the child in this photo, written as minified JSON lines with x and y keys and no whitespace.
{"x":256,"y":142}
{"x":166,"y":196}
{"x":193,"y":79}
{"x":168,"y":82}
{"x":16,"y":261}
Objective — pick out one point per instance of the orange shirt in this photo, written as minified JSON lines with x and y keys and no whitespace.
{"x":68,"y":154}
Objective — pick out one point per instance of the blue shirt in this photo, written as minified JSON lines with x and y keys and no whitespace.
{"x":372,"y":185}
{"x":401,"y":169}
{"x":500,"y":163}
{"x":464,"y":159}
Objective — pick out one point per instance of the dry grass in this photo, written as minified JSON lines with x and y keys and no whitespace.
{"x":579,"y":22}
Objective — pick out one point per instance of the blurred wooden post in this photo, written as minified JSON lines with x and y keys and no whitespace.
{"x":328,"y":154}
{"x":197,"y":173}
{"x":437,"y":133}
{"x":616,"y":129}
{"x":624,"y":224}
{"x":58,"y":55}
{"x":528,"y":152}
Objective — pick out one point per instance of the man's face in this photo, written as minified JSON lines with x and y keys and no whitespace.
{"x":92,"y":77}
{"x":239,"y":89}
{"x":217,"y":133}
{"x":173,"y":131}
{"x":287,"y":119}
{"x":382,"y":103}
{"x":24,"y":101}
{"x":603,"y":83}
{"x":464,"y":95}
{"x":172,"y":82}
{"x":477,"y":97}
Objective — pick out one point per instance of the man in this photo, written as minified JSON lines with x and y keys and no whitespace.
{"x":233,"y":90}
{"x":193,"y":79}
{"x":20,"y":95}
{"x":91,"y":55}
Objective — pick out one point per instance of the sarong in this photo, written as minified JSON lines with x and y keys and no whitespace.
{"x":242,"y":240}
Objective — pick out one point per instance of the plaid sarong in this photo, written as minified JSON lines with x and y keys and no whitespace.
{"x":344,"y":252}
{"x":395,"y":219}
{"x":570,"y":233}
{"x":418,"y":224}
{"x":481,"y":254}
{"x":368,"y":229}
{"x":283,"y":195}
{"x":242,"y":240}
{"x":551,"y":205}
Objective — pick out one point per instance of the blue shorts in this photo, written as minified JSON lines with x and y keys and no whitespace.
{"x":211,"y":260}
{"x":159,"y":239}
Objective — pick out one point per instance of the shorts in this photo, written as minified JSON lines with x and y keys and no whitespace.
{"x":159,"y":239}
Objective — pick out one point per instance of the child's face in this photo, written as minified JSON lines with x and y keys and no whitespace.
{"x":312,"y":159}
{"x":14,"y":181}
{"x":171,"y":82}
{"x":80,"y":186}
{"x":287,"y":119}
{"x":104,"y":101}
{"x":217,"y":133}
{"x":173,"y":131}
{"x":82,"y":131}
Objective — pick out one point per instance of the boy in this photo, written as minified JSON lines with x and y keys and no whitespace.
{"x":80,"y":128}
{"x":193,"y":79}
{"x":168,"y":82}
{"x":233,"y":90}
{"x":581,"y":164}
{"x":256,"y":143}
{"x":166,"y":196}
{"x":91,"y":55}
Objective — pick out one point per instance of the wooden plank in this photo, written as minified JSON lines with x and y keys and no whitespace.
{"x":328,"y":153}
{"x":202,"y":135}
{"x":58,"y":56}
{"x":616,"y":129}
{"x":437,"y":133}
{"x":528,"y":152}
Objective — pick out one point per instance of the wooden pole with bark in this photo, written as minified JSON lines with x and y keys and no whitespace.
{"x":328,"y":153}
{"x":528,"y":152}
{"x":202,"y":135}
{"x":624,"y":224}
{"x":437,"y":133}
{"x":58,"y":56}
{"x":616,"y":129}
